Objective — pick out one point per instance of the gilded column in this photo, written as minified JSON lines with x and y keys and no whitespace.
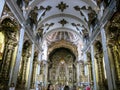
{"x":90,"y":72}
{"x":10,"y":46}
{"x":34,"y":71}
{"x":25,"y":59}
{"x":114,"y":57}
{"x":89,"y":68}
{"x":117,"y":62}
{"x":21,"y":82}
{"x":99,"y":57}
{"x":81,"y":71}
{"x":112,"y":62}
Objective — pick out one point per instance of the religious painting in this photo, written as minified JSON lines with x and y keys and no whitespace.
{"x":1,"y":45}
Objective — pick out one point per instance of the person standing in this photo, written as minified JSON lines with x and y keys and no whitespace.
{"x":66,"y":88}
{"x":50,"y":87}
{"x":12,"y":86}
{"x":87,"y":87}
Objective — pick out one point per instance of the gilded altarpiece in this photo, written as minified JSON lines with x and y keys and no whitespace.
{"x":8,"y":44}
{"x":61,"y":67}
{"x":113,"y":42}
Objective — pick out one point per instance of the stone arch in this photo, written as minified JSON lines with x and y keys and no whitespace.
{"x":11,"y":18}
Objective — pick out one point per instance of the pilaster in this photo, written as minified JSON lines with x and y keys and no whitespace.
{"x":24,"y":75}
{"x":2,"y":3}
{"x":34,"y":71}
{"x":95,"y":86}
{"x":111,"y":57}
{"x":81,"y":71}
{"x":30,"y":66}
{"x":106,"y":60}
{"x":90,"y":79}
{"x":18,"y":58}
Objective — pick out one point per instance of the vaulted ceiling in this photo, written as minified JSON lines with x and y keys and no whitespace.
{"x":55,"y":20}
{"x":68,"y":21}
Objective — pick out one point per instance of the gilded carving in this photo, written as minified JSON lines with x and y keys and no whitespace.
{"x":9,"y":28}
{"x":62,"y":67}
{"x":100,"y":68}
{"x":113,"y":42}
{"x":34,"y":70}
{"x":65,"y":44}
{"x":24,"y":62}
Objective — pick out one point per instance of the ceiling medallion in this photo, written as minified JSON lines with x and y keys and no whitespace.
{"x":62,"y":6}
{"x":63,"y":22}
